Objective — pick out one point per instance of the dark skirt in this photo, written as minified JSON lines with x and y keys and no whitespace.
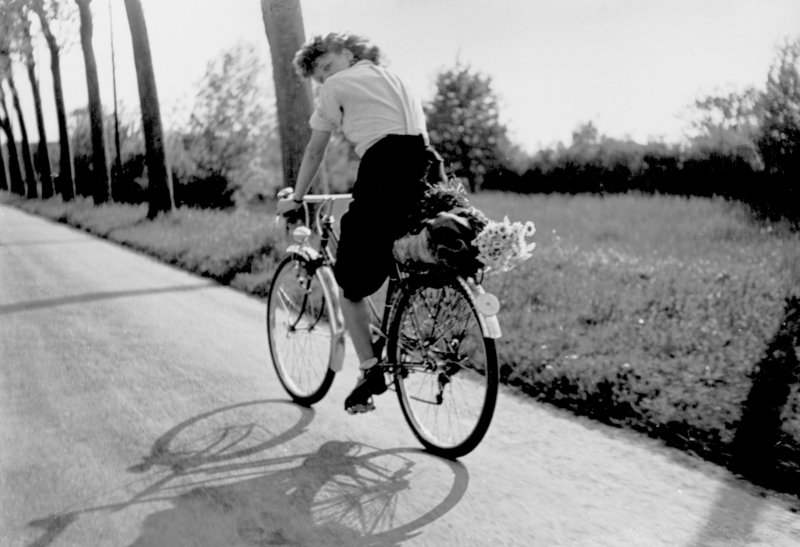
{"x":389,"y":186}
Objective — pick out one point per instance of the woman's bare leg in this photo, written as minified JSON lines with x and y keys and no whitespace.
{"x":357,"y":317}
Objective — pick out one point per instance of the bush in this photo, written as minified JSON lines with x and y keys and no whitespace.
{"x":129,"y":185}
{"x":229,"y":152}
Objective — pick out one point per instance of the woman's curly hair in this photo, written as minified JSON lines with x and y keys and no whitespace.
{"x":335,"y":42}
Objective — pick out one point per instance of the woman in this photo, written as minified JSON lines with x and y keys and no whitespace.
{"x":384,"y":120}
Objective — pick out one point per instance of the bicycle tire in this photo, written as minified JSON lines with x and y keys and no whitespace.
{"x":299,"y":331}
{"x":445,"y":368}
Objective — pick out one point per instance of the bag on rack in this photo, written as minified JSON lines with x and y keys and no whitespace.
{"x":445,"y":242}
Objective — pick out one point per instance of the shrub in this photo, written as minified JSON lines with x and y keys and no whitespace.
{"x":229,"y":151}
{"x":464,"y":125}
{"x":129,"y":185}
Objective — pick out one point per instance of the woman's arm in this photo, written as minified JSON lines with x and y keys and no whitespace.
{"x":312,"y":158}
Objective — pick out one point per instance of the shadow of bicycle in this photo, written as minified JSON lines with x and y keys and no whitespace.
{"x":343,"y":493}
{"x":224,"y":487}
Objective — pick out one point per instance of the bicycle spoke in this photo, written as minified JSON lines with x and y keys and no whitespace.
{"x":438,"y":342}
{"x":300,"y":338}
{"x":445,"y":325}
{"x":448,"y":333}
{"x":287,"y":301}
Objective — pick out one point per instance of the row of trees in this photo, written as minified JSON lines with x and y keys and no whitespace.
{"x":743,"y":144}
{"x":284,"y":29}
{"x":55,"y":19}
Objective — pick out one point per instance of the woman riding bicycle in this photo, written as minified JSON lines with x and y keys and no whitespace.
{"x":377,"y":112}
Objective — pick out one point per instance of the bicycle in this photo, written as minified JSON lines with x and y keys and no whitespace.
{"x":436,"y":348}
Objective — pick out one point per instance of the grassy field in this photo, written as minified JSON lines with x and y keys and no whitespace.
{"x":650,"y":312}
{"x":653,"y":313}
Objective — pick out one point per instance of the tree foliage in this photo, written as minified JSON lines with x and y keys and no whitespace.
{"x":464,"y":124}
{"x":731,"y":111}
{"x":231,"y":111}
{"x":779,"y":141}
{"x":131,"y":184}
{"x":230,"y":142}
{"x":14,"y":44}
{"x":59,"y":16}
{"x":7,"y":35}
{"x":55,"y":21}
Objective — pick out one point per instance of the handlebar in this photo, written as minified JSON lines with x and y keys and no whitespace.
{"x":322,"y":198}
{"x":314,"y":198}
{"x":302,"y":214}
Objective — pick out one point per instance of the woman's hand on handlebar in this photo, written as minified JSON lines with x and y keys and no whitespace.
{"x":287,"y":203}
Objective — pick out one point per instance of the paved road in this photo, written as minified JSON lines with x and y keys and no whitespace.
{"x":138,"y":408}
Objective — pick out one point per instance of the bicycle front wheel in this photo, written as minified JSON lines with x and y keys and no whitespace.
{"x":446,"y":369}
{"x":299,"y":331}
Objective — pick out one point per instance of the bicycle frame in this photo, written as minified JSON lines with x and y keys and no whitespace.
{"x":323,"y":255}
{"x":433,"y":334}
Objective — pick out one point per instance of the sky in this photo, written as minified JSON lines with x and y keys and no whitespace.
{"x":631,"y":67}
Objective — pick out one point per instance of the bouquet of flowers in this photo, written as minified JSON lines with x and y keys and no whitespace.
{"x":502,"y":245}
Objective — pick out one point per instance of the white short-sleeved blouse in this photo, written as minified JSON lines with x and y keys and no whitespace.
{"x":368,"y":102}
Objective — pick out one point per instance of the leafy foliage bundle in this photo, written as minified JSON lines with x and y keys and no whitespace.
{"x":448,"y":196}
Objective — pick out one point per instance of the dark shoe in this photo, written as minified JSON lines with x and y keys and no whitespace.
{"x":371,"y":382}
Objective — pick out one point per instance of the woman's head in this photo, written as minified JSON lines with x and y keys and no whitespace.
{"x":359,"y":48}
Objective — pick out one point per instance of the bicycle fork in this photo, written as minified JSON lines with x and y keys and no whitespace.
{"x":330,"y":289}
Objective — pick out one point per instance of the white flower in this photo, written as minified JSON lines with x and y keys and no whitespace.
{"x":502,"y":245}
{"x":530,"y":229}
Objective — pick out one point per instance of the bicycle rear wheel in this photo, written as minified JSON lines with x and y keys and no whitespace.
{"x":446,"y":373}
{"x":299,"y":331}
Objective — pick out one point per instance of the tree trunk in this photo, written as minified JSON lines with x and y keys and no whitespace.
{"x":283,"y":23}
{"x":65,"y":184}
{"x":27,"y":158}
{"x":3,"y":176}
{"x":46,"y":177}
{"x":17,"y":185}
{"x":100,"y":182}
{"x":159,"y":182}
{"x":44,"y":160}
